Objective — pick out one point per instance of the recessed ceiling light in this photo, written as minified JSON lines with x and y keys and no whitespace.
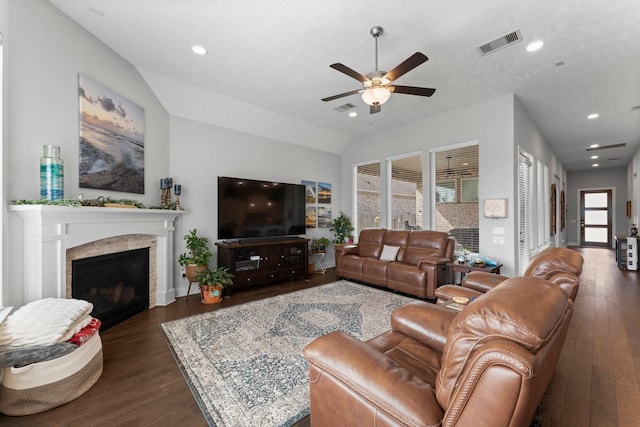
{"x":353,"y":114}
{"x":594,"y":146}
{"x":593,"y":116}
{"x":199,"y":50}
{"x":595,"y":165}
{"x":594,"y":157}
{"x":533,"y":46}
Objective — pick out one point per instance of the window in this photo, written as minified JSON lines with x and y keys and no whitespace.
{"x":446,"y":191}
{"x":455,"y":180}
{"x":525,"y":172}
{"x":534,"y":191}
{"x":367,"y":201}
{"x":405,"y":195}
{"x":469,"y":190}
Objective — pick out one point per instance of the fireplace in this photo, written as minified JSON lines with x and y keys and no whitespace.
{"x":117,"y":284}
{"x":48,"y":238}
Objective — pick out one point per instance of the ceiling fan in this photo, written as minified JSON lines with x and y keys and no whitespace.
{"x":449,"y":172}
{"x":377,"y":85}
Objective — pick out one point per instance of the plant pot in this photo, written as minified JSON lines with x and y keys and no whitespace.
{"x":192,"y":271}
{"x":211,"y":294}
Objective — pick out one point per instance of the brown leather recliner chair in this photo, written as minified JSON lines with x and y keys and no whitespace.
{"x":487,"y":365}
{"x":561,"y":266}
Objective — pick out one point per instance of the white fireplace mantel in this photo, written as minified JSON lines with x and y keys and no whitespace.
{"x":48,"y":231}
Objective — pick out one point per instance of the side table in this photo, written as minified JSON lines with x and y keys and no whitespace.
{"x":318,"y":257}
{"x":453,"y":267}
{"x":621,"y":251}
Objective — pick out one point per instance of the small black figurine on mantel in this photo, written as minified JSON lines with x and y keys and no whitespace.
{"x":634,"y":231}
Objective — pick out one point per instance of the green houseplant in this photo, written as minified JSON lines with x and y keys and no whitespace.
{"x":319,"y":245}
{"x":342,"y":228}
{"x":212,"y":282}
{"x":196,"y":260}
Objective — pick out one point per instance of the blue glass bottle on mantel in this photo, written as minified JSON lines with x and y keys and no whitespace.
{"x":51,"y":173}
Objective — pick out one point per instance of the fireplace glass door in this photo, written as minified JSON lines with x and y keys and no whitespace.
{"x":116,"y":284}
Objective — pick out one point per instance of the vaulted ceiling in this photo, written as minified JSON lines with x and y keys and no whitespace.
{"x":276,"y":55}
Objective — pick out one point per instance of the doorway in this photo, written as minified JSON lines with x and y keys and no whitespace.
{"x":596,"y":217}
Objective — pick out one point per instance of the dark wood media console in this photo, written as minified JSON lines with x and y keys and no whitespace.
{"x":261,"y":262}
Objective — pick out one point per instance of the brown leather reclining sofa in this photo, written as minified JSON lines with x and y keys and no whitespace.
{"x":487,"y":365}
{"x":412,"y":262}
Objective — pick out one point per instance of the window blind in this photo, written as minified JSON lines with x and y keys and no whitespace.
{"x":524,"y":209}
{"x":367,"y":196}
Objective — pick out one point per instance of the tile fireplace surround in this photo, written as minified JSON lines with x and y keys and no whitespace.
{"x":48,"y":232}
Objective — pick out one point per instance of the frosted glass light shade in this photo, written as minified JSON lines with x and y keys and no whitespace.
{"x":376,"y":95}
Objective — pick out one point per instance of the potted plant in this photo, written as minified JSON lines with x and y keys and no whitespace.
{"x":212,"y":282}
{"x":196,"y":261}
{"x":319,"y":245}
{"x":342,"y":228}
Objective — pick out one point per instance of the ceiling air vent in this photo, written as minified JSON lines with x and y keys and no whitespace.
{"x":606,"y":147}
{"x":500,"y":42}
{"x":345,"y":107}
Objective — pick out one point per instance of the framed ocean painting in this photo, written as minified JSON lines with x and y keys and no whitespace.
{"x":111,"y":139}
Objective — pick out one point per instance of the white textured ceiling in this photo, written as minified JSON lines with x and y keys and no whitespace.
{"x":275,"y":55}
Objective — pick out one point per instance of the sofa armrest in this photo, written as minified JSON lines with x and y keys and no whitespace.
{"x":342,"y":250}
{"x":482,"y":281}
{"x":424,"y":322}
{"x":348,"y":373}
{"x":446,"y":292}
{"x":432,"y":260}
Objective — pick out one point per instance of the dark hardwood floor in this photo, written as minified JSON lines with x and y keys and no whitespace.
{"x":597,"y":380}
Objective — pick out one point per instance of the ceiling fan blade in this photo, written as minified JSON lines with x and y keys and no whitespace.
{"x":412,"y":90}
{"x":349,"y":72}
{"x":409,"y":64}
{"x":341,"y":95}
{"x":375,"y":108}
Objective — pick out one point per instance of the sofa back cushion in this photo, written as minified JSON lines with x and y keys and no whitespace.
{"x":397,"y":238}
{"x":422,"y":244}
{"x":525,"y":310}
{"x":370,"y":242}
{"x":561,"y":266}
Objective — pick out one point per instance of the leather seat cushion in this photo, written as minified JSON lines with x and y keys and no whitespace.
{"x":351,"y":267}
{"x":407,"y":278}
{"x":374,"y":271}
{"x":420,"y":360}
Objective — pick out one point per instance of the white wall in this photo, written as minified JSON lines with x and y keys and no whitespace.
{"x":491,"y":124}
{"x":44,"y":52}
{"x":529,"y":138}
{"x":47,"y":52}
{"x":201,"y":152}
{"x":4,"y":254}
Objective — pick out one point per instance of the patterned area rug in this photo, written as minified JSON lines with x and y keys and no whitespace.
{"x":244,"y":364}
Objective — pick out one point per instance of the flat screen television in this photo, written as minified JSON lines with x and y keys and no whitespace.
{"x":252,"y":209}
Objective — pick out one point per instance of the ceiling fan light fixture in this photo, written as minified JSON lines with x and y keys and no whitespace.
{"x":376,"y":95}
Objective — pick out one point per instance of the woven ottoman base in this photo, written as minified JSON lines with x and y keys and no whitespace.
{"x":41,"y":386}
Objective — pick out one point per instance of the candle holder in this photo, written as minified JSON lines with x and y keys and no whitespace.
{"x":177,"y":190}
{"x":165,"y":191}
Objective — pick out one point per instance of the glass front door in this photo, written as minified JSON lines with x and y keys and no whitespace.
{"x":595,"y":218}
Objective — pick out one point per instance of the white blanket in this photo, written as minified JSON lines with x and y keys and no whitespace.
{"x":45,"y":322}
